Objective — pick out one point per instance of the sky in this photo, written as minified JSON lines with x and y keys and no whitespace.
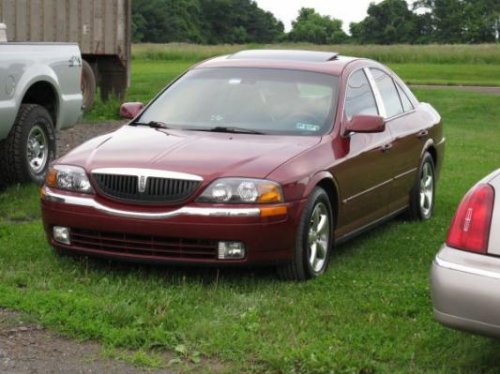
{"x":347,"y":11}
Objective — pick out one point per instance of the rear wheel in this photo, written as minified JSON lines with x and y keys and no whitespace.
{"x":314,"y":240}
{"x":30,"y":147}
{"x":422,"y":194}
{"x":88,"y":85}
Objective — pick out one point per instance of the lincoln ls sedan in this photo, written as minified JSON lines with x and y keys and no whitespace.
{"x":259,"y":157}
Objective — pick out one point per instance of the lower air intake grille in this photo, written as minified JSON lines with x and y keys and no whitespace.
{"x":144,"y":245}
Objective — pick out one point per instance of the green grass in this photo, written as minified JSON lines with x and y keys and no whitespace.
{"x":449,"y":74}
{"x":427,"y":54}
{"x":371,"y":312}
{"x":154,"y":65}
{"x":148,"y":78}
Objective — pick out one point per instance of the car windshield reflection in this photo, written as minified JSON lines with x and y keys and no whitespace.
{"x":254,"y":101}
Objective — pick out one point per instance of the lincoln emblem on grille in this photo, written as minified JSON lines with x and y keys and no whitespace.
{"x":141,"y":187}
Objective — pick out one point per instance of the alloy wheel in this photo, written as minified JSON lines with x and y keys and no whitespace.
{"x":426,"y":189}
{"x":318,"y":238}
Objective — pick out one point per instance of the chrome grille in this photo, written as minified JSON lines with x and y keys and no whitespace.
{"x":155,"y":189}
{"x":144,"y":246}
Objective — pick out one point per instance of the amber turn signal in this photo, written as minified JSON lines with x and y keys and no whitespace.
{"x":51,"y":178}
{"x":269,"y":193}
{"x":273,"y":211}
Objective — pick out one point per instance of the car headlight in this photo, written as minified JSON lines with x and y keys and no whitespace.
{"x":67,"y":177}
{"x":242,"y":191}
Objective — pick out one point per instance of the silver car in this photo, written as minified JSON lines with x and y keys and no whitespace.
{"x":465,"y":276}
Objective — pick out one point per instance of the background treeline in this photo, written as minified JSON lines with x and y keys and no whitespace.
{"x":389,"y":22}
{"x":203,"y":21}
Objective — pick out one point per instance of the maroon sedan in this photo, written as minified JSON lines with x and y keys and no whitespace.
{"x":256,"y":157}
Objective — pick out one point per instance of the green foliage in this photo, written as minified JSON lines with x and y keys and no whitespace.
{"x":460,"y":21}
{"x":388,"y":22}
{"x":438,"y":21}
{"x":203,"y":21}
{"x":166,"y":20}
{"x":311,"y":27}
{"x":370,"y":313}
{"x":239,"y":21}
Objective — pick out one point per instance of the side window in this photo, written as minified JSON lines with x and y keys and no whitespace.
{"x":359,"y":96}
{"x":407,"y":105}
{"x":388,"y":92}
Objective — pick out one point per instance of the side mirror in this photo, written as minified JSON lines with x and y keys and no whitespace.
{"x":130,"y":110}
{"x":365,"y":124}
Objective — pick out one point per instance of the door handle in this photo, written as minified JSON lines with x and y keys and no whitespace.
{"x":386,"y":147}
{"x":422,"y":134}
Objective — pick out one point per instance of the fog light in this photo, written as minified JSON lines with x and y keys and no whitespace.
{"x":61,"y":234}
{"x":231,"y":250}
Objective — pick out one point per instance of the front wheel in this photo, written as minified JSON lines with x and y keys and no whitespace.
{"x":30,"y":147}
{"x":422,"y":194}
{"x":314,"y":240}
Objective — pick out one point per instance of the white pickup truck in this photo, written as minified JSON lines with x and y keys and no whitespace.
{"x":40,"y":93}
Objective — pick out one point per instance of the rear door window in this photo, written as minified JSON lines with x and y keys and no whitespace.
{"x":407,"y":105}
{"x":359,"y":96}
{"x":388,"y":92}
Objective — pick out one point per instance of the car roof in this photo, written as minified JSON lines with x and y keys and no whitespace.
{"x":317,"y":61}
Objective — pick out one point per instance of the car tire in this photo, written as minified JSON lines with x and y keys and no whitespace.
{"x":314,"y":240}
{"x":30,"y":146}
{"x":422,"y":195}
{"x":88,"y":86}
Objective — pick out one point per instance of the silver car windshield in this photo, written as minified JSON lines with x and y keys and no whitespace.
{"x":253,"y":100}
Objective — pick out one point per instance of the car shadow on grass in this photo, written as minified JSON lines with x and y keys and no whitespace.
{"x":176,"y":273}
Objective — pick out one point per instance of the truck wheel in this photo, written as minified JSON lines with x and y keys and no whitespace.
{"x":88,"y":86}
{"x":30,"y":147}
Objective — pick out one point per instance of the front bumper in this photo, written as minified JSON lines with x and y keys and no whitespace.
{"x":465,"y":291}
{"x":109,"y":229}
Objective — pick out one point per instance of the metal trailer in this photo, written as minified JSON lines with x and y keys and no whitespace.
{"x":102,"y":28}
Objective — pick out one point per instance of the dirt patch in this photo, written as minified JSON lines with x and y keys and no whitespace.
{"x":27,"y":348}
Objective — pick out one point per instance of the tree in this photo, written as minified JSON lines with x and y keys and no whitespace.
{"x":160,"y":21}
{"x":463,"y":21}
{"x":312,"y":27}
{"x":387,"y":22}
{"x":239,"y":21}
{"x":447,"y":19}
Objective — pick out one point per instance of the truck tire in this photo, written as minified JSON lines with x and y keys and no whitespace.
{"x":30,"y":146}
{"x":88,"y":86}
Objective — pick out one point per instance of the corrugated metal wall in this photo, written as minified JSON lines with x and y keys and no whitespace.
{"x":98,"y":26}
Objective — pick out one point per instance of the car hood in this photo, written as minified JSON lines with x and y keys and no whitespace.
{"x":209,"y":155}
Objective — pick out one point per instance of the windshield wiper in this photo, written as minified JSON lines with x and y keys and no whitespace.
{"x":152,"y":124}
{"x":233,"y":130}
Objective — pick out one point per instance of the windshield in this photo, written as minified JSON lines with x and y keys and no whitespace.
{"x":250,"y":100}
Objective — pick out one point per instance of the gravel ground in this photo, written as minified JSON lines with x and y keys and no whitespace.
{"x":70,"y":138}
